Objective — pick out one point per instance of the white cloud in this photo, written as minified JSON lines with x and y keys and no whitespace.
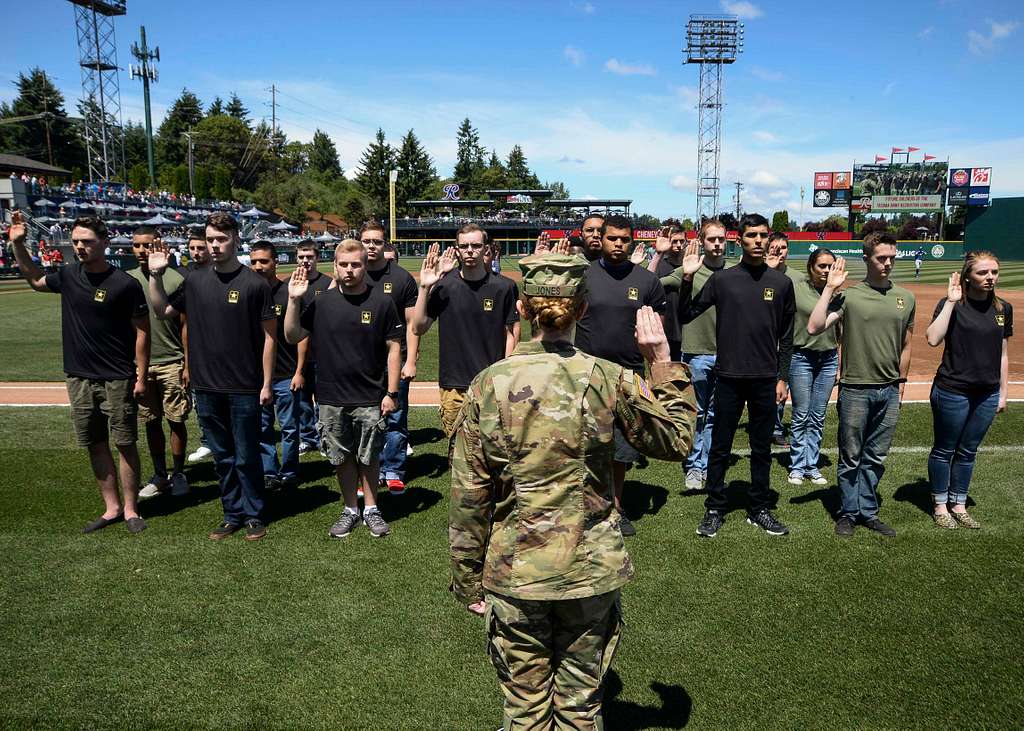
{"x":681,"y":182}
{"x":574,"y":55}
{"x":626,"y":69}
{"x":767,"y":74}
{"x":889,"y":88}
{"x":926,"y":32}
{"x":742,"y":9}
{"x":765,"y":136}
{"x":766,"y":179}
{"x":981,"y":44}
{"x":588,"y":8}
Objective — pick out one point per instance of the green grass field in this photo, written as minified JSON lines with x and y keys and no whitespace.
{"x":169,"y":630}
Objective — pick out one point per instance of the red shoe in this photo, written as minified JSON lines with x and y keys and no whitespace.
{"x":396,"y":487}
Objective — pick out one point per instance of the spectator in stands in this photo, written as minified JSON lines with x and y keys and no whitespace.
{"x":400,"y":286}
{"x":166,"y":396}
{"x":105,"y":331}
{"x":287,"y":384}
{"x":356,"y":332}
{"x":307,"y":256}
{"x":231,"y":321}
{"x":476,"y":313}
{"x":616,"y":289}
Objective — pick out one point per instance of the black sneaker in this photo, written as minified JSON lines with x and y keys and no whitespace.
{"x":271,"y":483}
{"x":879,"y":527}
{"x":255,"y":529}
{"x":779,"y":440}
{"x":844,"y":527}
{"x":709,"y":525}
{"x":626,"y":526}
{"x":223,"y":530}
{"x":766,"y":520}
{"x":376,"y":523}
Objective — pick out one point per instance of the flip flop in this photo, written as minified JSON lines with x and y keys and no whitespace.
{"x":101,"y":523}
{"x":136,"y":525}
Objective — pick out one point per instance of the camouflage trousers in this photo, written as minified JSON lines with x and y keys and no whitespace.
{"x":551,"y":658}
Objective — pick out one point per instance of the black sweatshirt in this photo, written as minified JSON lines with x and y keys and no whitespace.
{"x":755,"y":307}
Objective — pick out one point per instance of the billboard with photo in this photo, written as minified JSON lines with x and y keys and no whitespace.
{"x":899,"y":187}
{"x":831,"y":189}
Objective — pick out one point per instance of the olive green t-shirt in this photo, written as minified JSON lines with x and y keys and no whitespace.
{"x":806,"y":298}
{"x":875,"y":323}
{"x":164,"y":335}
{"x":698,"y":335}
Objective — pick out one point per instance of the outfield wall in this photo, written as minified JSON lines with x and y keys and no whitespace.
{"x":998,"y":228}
{"x":933,"y":250}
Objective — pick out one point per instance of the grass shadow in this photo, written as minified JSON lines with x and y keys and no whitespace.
{"x":166,"y":504}
{"x":642,"y":498}
{"x":829,"y":498}
{"x":415,"y":500}
{"x":425,"y":435}
{"x":304,"y":499}
{"x":737,"y":496}
{"x":426,"y":465}
{"x":674,"y":713}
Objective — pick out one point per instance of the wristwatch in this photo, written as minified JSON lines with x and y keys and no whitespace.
{"x":393,"y":395}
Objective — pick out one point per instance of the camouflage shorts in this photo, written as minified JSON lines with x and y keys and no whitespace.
{"x":97,"y":404}
{"x":165,"y":396}
{"x":351,"y":430}
{"x":522,"y":638}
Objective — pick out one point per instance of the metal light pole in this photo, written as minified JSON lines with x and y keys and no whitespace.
{"x":392,"y":179}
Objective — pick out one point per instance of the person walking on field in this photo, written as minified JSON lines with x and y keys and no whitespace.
{"x":105,"y":334}
{"x":877,"y":319}
{"x":533,"y":534}
{"x":970,"y":385}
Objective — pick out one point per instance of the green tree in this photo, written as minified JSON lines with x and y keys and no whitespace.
{"x":134,"y":144}
{"x":185,"y":113}
{"x":494,"y":176}
{"x":354,"y":208}
{"x":469,"y":157}
{"x":377,"y":162}
{"x":216,"y":107}
{"x":416,"y":171}
{"x":295,"y":158}
{"x":236,"y":109}
{"x":221,"y":187}
{"x":519,"y":175}
{"x":323,"y":156}
{"x":37,"y":95}
{"x":221,"y":140}
{"x":558,"y":190}
{"x":780,"y":221}
{"x":203,"y":182}
{"x":138,"y":176}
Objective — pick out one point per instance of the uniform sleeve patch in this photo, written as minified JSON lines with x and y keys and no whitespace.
{"x":641,"y":386}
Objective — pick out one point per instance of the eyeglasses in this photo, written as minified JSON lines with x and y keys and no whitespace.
{"x":474,"y":247}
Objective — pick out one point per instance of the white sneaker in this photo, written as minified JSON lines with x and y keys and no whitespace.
{"x":408,"y":450}
{"x":200,"y":454}
{"x":817,"y":478}
{"x":796,"y":478}
{"x":179,"y":484}
{"x":694,"y":480}
{"x":153,"y":487}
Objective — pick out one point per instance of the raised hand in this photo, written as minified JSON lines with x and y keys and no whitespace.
{"x":159,"y":258}
{"x":650,"y":336}
{"x":955,"y":291}
{"x":429,"y":274}
{"x":774,"y":256}
{"x":562,"y":246}
{"x":663,"y":244}
{"x":637,"y":257}
{"x":836,"y":274}
{"x":543,"y":244}
{"x":18,"y":230}
{"x":449,"y":260}
{"x":693,"y":259}
{"x":298,"y":285}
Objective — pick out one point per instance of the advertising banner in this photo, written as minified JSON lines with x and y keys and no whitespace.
{"x":958,"y":196}
{"x":970,"y":187}
{"x":831,"y":190}
{"x":899,"y":187}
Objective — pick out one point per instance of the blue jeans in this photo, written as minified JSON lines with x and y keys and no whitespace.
{"x":285,"y":404}
{"x":867,"y":421}
{"x":392,"y":458}
{"x":232,"y":425}
{"x":959,"y":423}
{"x":703,"y":377}
{"x":812,"y":375}
{"x":308,"y":413}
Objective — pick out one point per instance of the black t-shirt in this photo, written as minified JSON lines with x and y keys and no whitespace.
{"x":350,"y":334}
{"x":973,"y":346}
{"x":755,"y":309}
{"x":317,"y":286}
{"x":96,"y":312}
{"x":225,"y":328}
{"x":673,"y":328}
{"x":614,"y":294}
{"x":398,"y":284}
{"x":472,"y":319}
{"x":287,"y":354}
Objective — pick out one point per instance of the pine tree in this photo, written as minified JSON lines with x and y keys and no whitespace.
{"x":416,"y":171}
{"x":216,"y":107}
{"x":469,"y":157}
{"x":519,"y":175}
{"x":236,"y":109}
{"x":377,"y":162}
{"x":780,"y":221}
{"x":494,"y":176}
{"x":38,"y":95}
{"x":171,"y":147}
{"x":323,"y":156}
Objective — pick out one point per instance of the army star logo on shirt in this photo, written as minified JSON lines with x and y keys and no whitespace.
{"x":900,"y":303}
{"x":633,"y":293}
{"x":1000,"y":320}
{"x":100,"y":296}
{"x":233,"y":296}
{"x":277,"y":309}
{"x":366,"y":317}
{"x":488,"y":305}
{"x":768,"y":294}
{"x":387,"y":287}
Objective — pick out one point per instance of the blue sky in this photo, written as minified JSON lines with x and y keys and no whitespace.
{"x":594,"y":91}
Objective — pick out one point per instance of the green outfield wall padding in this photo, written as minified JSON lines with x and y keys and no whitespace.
{"x":998,"y":228}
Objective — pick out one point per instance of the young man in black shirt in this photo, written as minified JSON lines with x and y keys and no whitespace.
{"x":232,"y":351}
{"x":287,"y":384}
{"x":590,"y":230}
{"x":198,"y":258}
{"x":755,"y":308}
{"x":399,"y":285}
{"x":476,"y":312}
{"x":308,"y":255}
{"x":668,"y":256}
{"x":105,"y":331}
{"x":616,"y":289}
{"x":357,"y":333}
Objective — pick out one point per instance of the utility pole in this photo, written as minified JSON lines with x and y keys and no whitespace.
{"x":739,"y":187}
{"x":273,"y":112}
{"x":147,"y":72}
{"x":191,"y":163}
{"x":46,"y":121}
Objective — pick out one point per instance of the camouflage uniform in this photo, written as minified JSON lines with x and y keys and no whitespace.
{"x":531,"y":524}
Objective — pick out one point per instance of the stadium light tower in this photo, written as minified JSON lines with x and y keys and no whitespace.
{"x":101,"y":94}
{"x":147,"y":72}
{"x":711,"y":41}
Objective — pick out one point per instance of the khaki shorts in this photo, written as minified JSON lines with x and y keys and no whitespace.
{"x":451,"y":402}
{"x":95,"y":404}
{"x":165,"y":397}
{"x":351,"y":430}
